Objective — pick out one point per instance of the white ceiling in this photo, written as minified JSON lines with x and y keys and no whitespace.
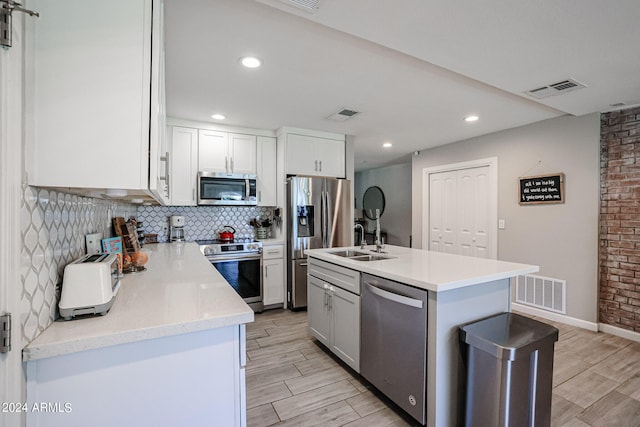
{"x":413,"y":68}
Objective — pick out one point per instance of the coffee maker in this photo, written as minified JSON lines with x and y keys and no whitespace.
{"x":177,"y":228}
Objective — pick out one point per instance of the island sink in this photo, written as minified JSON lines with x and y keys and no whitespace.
{"x":360,"y":256}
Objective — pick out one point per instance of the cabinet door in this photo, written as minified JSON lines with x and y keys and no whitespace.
{"x":213,"y":151}
{"x":158,"y":150}
{"x":273,"y":281}
{"x":266,"y":182}
{"x":331,"y":157}
{"x":301,"y":155}
{"x":318,"y":310}
{"x":184,"y":166}
{"x":345,"y":327}
{"x":91,"y":98}
{"x":242,"y":153}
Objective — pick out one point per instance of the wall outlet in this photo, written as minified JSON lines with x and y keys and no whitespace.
{"x":501,"y":224}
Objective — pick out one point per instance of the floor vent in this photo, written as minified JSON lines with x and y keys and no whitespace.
{"x":542,"y":292}
{"x":564,"y":86}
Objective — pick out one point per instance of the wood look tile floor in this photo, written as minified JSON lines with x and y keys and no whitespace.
{"x":293,"y":381}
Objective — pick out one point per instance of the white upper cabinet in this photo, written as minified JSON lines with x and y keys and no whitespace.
{"x":315,"y":156}
{"x":94,"y":101}
{"x":242,"y":149}
{"x":158,"y":148}
{"x":266,"y":182}
{"x":226,"y":152}
{"x":213,"y":151}
{"x":184,"y":166}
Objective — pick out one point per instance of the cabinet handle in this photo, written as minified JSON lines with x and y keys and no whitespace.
{"x":167,"y":183}
{"x":259,"y":195}
{"x":226,"y":164}
{"x":326,"y":296}
{"x":315,"y":168}
{"x":320,"y":163}
{"x":231,"y":164}
{"x":165,"y":159}
{"x":399,"y":298}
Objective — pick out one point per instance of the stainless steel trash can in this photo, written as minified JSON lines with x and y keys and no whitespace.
{"x":509,"y":360}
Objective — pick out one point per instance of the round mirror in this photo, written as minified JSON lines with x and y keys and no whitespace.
{"x":373,"y":199}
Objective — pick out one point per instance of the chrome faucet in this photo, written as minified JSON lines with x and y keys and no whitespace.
{"x":363,"y":242}
{"x":379,"y":243}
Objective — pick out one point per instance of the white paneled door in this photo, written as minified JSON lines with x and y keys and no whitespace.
{"x":442,"y":214}
{"x":460,"y":211}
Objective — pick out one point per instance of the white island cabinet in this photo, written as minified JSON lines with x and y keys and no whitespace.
{"x":460,"y":290}
{"x":98,"y":113}
{"x":333,"y":307}
{"x":170,"y":352}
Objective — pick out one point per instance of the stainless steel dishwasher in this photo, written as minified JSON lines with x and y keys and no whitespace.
{"x":393,"y":346}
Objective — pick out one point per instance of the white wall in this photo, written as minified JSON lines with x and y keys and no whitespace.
{"x":563,"y":238}
{"x":395,"y":182}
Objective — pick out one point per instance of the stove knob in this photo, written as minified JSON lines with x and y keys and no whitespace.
{"x":208,"y":251}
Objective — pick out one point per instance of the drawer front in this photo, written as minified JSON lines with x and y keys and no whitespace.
{"x":271,"y":252}
{"x":342,"y":277}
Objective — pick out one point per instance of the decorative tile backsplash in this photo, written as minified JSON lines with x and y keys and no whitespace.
{"x":201,"y":222}
{"x":53,"y":228}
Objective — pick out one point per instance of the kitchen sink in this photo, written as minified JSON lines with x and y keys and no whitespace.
{"x":349,"y":253}
{"x":368,"y":257}
{"x":360,"y":256}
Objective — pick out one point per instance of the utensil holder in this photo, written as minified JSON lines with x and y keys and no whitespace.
{"x":262,"y":232}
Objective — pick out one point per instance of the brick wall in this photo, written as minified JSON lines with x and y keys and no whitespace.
{"x":619,"y":295}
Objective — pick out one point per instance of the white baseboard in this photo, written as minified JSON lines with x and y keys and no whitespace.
{"x":595,"y":327}
{"x":623,"y":333}
{"x":572,"y":321}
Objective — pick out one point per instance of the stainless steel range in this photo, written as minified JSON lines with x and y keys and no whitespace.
{"x":240,"y":263}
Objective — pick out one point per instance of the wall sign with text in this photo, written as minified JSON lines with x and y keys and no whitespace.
{"x":542,"y":189}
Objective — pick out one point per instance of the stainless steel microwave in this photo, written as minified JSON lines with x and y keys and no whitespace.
{"x":226,"y":189}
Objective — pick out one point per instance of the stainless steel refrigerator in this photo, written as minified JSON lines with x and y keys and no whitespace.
{"x":319,"y":216}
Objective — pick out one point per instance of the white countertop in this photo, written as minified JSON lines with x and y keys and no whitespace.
{"x":181,"y":292}
{"x":272,"y":241}
{"x":433,"y":271}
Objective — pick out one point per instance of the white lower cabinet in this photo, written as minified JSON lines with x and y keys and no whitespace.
{"x":334,"y":313}
{"x":273,"y":275}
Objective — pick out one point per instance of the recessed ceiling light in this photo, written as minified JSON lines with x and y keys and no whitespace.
{"x":471,"y":118}
{"x":218,"y":116}
{"x":387,"y":145}
{"x":251,"y":61}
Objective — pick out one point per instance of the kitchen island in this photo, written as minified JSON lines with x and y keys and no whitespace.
{"x":460,"y":290}
{"x":171,"y":351}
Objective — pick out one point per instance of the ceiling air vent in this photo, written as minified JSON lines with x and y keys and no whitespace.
{"x":343,"y":115}
{"x":308,"y":5}
{"x":564,"y":86}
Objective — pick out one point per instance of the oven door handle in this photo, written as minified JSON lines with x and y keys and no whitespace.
{"x":233,"y":257}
